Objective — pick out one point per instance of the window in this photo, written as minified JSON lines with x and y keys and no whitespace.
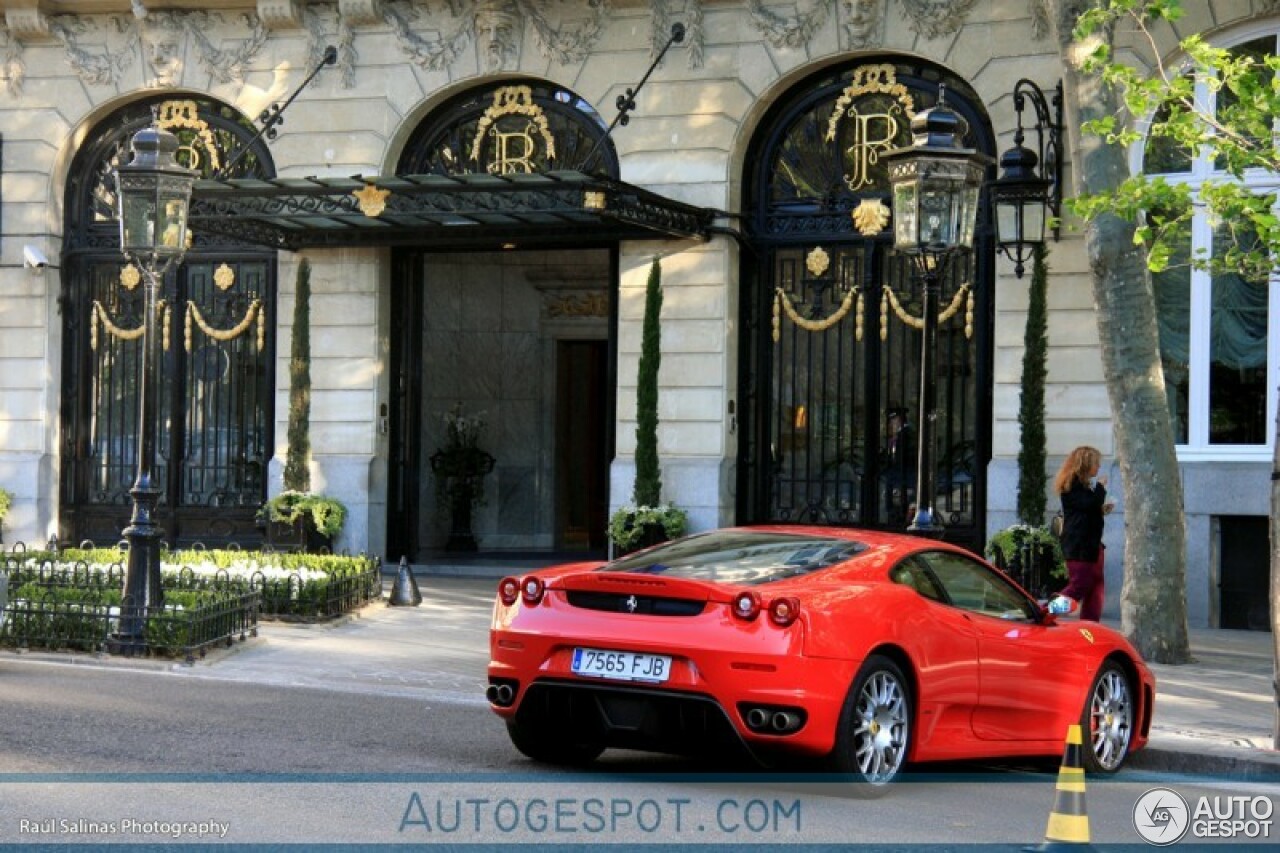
{"x":1221,"y":365}
{"x":972,"y":586}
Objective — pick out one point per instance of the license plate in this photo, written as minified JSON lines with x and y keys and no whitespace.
{"x":624,"y":666}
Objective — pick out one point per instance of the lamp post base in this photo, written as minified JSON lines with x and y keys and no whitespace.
{"x":924,"y":523}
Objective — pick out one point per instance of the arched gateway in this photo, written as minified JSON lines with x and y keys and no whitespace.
{"x":218,"y":323}
{"x":830,"y":343}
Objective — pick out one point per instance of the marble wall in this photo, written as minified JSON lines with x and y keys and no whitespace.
{"x":490,"y":328}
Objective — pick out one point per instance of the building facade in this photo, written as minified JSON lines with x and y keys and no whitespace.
{"x":481,"y":188}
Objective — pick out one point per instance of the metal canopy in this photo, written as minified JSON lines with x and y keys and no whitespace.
{"x":466,"y":211}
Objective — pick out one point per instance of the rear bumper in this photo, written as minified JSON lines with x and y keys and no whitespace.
{"x":702,"y":707}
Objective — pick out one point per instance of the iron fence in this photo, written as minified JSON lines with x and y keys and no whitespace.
{"x":291,"y":597}
{"x":55,"y":617}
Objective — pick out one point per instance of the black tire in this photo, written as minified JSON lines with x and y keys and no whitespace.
{"x":1110,"y":711}
{"x":873,"y":737}
{"x":552,"y":747}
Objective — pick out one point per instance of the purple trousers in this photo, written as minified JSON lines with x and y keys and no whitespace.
{"x":1085,"y":585}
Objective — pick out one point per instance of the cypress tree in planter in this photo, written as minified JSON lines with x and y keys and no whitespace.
{"x":1027,"y":550}
{"x":295,"y":517}
{"x":647,"y":520}
{"x":1032,"y":477}
{"x":297,"y":471}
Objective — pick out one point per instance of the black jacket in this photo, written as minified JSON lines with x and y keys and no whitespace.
{"x":1082,"y":521}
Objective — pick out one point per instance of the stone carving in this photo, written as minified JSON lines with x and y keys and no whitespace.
{"x":936,"y":18}
{"x":498,"y":33}
{"x":861,"y":23}
{"x":94,"y":68}
{"x":496,"y":28}
{"x":163,"y":37}
{"x":592,"y":303}
{"x":360,"y":12}
{"x":26,"y":23}
{"x":662,"y":19}
{"x":318,"y":39}
{"x":224,"y":65}
{"x":12,"y":69}
{"x":433,"y":54}
{"x":796,"y":31}
{"x":1039,"y":19}
{"x":279,"y":14}
{"x":570,"y":42}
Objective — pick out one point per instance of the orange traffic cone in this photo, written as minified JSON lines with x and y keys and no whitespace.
{"x":1068,"y":822}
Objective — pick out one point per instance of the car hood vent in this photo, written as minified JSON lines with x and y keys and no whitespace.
{"x":613,"y":602}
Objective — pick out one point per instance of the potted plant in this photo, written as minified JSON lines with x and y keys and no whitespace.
{"x":1030,"y":555}
{"x":317,"y":518}
{"x":6,"y":501}
{"x":647,"y":520}
{"x":634,"y":527}
{"x":460,"y":466}
{"x":296,"y":518}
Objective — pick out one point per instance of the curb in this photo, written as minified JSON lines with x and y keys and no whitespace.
{"x":1239,"y":763}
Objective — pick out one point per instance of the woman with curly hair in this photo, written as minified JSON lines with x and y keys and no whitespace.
{"x":1084,"y":504}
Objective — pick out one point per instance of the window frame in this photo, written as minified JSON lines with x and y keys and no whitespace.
{"x":1197,"y":447}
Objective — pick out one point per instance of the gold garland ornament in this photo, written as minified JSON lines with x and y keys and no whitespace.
{"x":782,"y":302}
{"x":889,"y":297}
{"x":99,"y":315}
{"x":255,"y":312}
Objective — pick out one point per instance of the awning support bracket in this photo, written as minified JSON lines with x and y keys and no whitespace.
{"x":274,"y":114}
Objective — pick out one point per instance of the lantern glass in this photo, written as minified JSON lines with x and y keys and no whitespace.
{"x":906,"y":235}
{"x":137,"y":220}
{"x":935,"y":204}
{"x":1020,"y":221}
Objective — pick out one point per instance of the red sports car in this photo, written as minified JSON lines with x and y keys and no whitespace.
{"x":870,"y":649}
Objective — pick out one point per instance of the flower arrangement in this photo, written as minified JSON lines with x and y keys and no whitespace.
{"x":628,"y":524}
{"x":327,"y":514}
{"x":459,"y":464}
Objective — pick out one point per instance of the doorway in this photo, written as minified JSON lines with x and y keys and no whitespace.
{"x":582,"y":462}
{"x":519,"y":343}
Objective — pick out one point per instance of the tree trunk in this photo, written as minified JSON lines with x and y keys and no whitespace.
{"x":1275,"y":586}
{"x":1153,"y":600}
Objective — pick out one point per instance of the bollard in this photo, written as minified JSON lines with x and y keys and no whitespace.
{"x":405,"y":592}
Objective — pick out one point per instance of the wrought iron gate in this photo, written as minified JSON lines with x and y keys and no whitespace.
{"x":830,"y":328}
{"x":217,"y":343}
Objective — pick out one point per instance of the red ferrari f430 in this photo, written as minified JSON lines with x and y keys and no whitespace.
{"x":869,"y":650}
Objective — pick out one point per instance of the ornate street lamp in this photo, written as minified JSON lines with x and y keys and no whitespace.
{"x":1025,"y":195}
{"x":936,"y":186}
{"x":152,"y":195}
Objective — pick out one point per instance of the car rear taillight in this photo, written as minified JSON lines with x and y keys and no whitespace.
{"x":746,"y":605}
{"x":784,"y":611}
{"x":531,"y":589}
{"x":508,"y":591}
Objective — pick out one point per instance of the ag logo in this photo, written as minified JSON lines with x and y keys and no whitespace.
{"x":1161,"y":816}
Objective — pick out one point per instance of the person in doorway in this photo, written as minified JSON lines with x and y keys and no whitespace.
{"x":899,"y":464}
{"x":1084,"y":506}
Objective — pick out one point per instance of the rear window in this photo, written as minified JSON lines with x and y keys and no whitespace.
{"x":739,"y":556}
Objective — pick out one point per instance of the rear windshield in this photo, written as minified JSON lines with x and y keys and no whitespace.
{"x":739,"y":556}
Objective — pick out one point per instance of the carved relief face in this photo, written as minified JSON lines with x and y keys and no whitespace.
{"x":164,"y":54}
{"x":862,"y":18}
{"x":496,"y":31}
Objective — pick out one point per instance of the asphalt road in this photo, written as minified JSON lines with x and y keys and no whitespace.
{"x":252,"y":749}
